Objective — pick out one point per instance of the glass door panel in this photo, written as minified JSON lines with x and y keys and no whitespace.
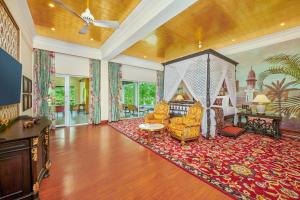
{"x":147,"y":98}
{"x":60,"y":101}
{"x":138,"y":98}
{"x":79,"y":100}
{"x":129,"y":99}
{"x":71,"y":100}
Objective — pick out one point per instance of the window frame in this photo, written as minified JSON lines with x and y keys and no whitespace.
{"x":138,"y":95}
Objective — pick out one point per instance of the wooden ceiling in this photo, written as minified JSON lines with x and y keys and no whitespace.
{"x":216,"y":24}
{"x":67,"y":25}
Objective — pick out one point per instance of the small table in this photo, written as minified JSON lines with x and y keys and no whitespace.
{"x":261,"y":124}
{"x":152,"y":128}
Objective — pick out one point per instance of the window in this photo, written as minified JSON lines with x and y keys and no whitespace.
{"x":138,"y":98}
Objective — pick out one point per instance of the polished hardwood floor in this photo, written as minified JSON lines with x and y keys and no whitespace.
{"x":97,"y":162}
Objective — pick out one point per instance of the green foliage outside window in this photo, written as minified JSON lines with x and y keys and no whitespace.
{"x":147,"y":93}
{"x":60,"y":95}
{"x":129,"y":93}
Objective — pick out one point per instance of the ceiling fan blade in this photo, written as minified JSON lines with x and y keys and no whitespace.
{"x":84,"y":29}
{"x":61,"y":4}
{"x":106,"y":23}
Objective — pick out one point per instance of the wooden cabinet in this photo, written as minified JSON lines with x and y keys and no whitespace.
{"x":24,"y":160}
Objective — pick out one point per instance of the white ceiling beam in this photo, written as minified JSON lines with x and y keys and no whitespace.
{"x":59,"y":46}
{"x":267,"y":40}
{"x":145,"y":18}
{"x":137,"y":62}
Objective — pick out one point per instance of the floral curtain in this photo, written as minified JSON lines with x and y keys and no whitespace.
{"x":160,"y":86}
{"x":43,"y":84}
{"x":95,"y":101}
{"x":115,"y":86}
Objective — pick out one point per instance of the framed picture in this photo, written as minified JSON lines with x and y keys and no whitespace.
{"x":27,"y":85}
{"x":27,"y":101}
{"x":30,"y":102}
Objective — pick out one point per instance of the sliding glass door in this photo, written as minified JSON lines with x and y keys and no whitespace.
{"x":129,"y":99}
{"x":147,"y":98}
{"x":71,"y":100}
{"x":60,"y":100}
{"x":79,"y":98}
{"x":138,"y":98}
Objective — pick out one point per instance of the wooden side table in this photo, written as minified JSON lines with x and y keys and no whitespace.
{"x":261,"y":123}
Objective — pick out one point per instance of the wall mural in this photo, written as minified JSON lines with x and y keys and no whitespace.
{"x":277,"y":75}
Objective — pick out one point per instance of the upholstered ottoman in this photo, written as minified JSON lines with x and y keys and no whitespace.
{"x":231,"y":131}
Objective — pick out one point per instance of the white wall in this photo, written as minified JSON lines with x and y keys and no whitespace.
{"x":71,"y":65}
{"x":26,"y":60}
{"x":21,"y":14}
{"x":138,"y":74}
{"x":104,"y":90}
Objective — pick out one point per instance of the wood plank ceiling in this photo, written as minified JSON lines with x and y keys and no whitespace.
{"x":67,"y":25}
{"x":216,"y":24}
{"x":212,"y":23}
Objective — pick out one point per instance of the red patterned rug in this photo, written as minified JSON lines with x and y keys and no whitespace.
{"x":251,"y":167}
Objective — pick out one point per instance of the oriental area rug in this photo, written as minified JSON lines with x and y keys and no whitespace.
{"x":252,"y":166}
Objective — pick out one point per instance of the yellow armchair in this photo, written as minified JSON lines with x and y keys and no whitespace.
{"x":160,"y":114}
{"x":187,"y":127}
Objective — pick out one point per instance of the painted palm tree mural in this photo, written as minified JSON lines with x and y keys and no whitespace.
{"x":278,"y":77}
{"x":282,"y":64}
{"x":284,"y":93}
{"x":278,"y":91}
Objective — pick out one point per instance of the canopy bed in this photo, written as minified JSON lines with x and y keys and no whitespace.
{"x":203,"y":74}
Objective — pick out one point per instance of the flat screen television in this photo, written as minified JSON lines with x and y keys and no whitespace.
{"x":10,"y":79}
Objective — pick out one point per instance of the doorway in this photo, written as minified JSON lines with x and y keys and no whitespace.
{"x":138,"y":98}
{"x":71,"y":100}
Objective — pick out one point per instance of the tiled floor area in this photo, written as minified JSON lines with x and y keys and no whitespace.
{"x":75,"y":118}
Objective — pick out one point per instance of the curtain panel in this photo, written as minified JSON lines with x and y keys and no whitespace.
{"x":193,"y":72}
{"x":43,"y":84}
{"x":95,"y":91}
{"x":115,"y":86}
{"x":160,"y":86}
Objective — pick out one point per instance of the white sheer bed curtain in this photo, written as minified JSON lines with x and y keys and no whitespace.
{"x":173,"y":76}
{"x":231,"y":88}
{"x":193,"y":72}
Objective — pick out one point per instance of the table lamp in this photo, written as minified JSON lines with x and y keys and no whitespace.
{"x":179,"y":97}
{"x":261,"y":99}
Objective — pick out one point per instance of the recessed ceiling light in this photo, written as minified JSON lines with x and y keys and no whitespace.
{"x":200,"y":45}
{"x":145,"y":56}
{"x":282,"y":24}
{"x":53,"y":29}
{"x":151,"y":39}
{"x":92,"y":39}
{"x":233,"y":40}
{"x":51,"y":5}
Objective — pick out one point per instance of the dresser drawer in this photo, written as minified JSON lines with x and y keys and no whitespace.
{"x":14,"y":146}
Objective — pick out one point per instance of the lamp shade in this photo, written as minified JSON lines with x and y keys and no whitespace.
{"x":261,"y":98}
{"x":179,"y":97}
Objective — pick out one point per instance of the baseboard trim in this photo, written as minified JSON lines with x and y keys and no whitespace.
{"x":104,"y":122}
{"x":289,"y":130}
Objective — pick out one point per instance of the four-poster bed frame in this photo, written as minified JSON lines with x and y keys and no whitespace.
{"x":210,"y":53}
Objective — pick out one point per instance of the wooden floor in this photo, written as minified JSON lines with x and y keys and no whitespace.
{"x":97,"y":162}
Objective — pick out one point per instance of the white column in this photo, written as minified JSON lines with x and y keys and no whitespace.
{"x":104,"y":90}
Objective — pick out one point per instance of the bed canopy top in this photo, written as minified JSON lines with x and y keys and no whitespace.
{"x":203,"y":73}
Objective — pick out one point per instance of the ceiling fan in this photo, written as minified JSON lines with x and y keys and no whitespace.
{"x":88,"y":18}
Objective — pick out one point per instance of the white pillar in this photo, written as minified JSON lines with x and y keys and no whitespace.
{"x":104,"y":90}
